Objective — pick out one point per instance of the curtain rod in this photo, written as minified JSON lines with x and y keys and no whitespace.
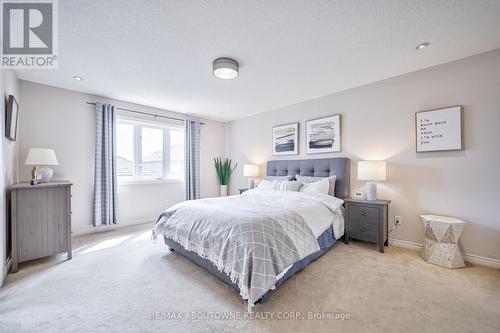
{"x":145,"y":113}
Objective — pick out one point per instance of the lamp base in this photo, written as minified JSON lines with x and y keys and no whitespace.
{"x":371,"y":191}
{"x":251,"y":183}
{"x":44,"y":174}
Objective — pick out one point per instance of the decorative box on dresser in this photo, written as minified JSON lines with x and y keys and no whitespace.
{"x":366,"y":220}
{"x":41,"y":221}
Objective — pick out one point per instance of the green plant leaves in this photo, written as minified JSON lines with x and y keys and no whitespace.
{"x":224,"y":169}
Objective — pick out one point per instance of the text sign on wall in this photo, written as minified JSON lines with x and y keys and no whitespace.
{"x":439,"y":129}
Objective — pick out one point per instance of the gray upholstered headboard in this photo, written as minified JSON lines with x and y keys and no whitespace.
{"x":321,"y":167}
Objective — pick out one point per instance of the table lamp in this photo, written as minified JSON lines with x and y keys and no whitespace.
{"x":371,"y":171}
{"x":251,"y":171}
{"x":41,"y":158}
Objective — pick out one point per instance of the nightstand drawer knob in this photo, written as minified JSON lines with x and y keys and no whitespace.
{"x":363,"y":213}
{"x":363,"y":229}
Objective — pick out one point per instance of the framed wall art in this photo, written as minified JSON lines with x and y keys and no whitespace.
{"x":323,"y":135}
{"x":11,"y":118}
{"x":439,"y":130}
{"x":286,"y":139}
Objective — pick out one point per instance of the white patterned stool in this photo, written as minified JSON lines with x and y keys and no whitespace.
{"x":440,"y":240}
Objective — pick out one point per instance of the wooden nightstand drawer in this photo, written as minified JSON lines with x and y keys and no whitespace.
{"x":364,"y":214}
{"x":364,"y":231}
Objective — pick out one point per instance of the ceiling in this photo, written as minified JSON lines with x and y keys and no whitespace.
{"x":159,"y":53}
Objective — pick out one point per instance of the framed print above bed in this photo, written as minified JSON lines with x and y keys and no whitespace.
{"x":323,"y":135}
{"x":439,"y":130}
{"x":286,"y":139}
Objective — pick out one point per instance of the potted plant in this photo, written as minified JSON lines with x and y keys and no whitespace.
{"x":224,"y":171}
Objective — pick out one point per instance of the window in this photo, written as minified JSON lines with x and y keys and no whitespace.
{"x":149,"y":151}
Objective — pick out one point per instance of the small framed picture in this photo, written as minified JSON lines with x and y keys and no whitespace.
{"x":286,"y":139}
{"x":358,"y":194}
{"x":323,"y":135}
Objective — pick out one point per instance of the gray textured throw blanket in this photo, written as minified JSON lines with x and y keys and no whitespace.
{"x":251,"y":237}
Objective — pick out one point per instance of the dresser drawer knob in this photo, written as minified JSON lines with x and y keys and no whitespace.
{"x":363,"y":213}
{"x":363,"y":229}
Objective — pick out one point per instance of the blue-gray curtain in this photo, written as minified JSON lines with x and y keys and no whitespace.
{"x":192,"y":159}
{"x":105,"y":179}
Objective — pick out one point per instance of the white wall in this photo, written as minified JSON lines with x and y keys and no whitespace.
{"x":60,"y":119}
{"x":378,"y":123}
{"x":212,"y":144}
{"x":8,"y":153}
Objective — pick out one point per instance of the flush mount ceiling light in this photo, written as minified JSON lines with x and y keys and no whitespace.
{"x":422,"y":45}
{"x":225,"y":68}
{"x":78,"y":78}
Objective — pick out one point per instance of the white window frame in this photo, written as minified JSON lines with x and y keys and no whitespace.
{"x":138,"y":124}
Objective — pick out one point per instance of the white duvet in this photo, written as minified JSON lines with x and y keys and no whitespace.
{"x":318,"y":217}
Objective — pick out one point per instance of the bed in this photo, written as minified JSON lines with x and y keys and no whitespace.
{"x":257,"y":240}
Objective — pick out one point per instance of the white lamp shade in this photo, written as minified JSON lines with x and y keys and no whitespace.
{"x":372,"y":170}
{"x":250,"y":170}
{"x":41,"y":156}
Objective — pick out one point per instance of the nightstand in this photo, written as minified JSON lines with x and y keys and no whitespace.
{"x":242,"y":190}
{"x":367,"y":221}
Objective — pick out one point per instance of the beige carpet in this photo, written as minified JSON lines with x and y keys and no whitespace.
{"x":117,"y":279}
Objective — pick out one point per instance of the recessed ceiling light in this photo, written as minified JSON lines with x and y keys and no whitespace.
{"x":78,"y":78}
{"x":225,"y":68}
{"x":422,"y":45}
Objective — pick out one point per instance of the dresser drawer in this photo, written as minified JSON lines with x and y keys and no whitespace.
{"x":364,"y":231}
{"x":364,"y":214}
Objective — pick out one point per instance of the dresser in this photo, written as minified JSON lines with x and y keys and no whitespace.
{"x":367,"y":221}
{"x":41,"y":221}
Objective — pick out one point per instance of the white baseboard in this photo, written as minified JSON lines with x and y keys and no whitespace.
{"x":405,"y":244}
{"x":6,"y":270}
{"x":482,"y":261}
{"x":471,"y":258}
{"x":90,"y":229}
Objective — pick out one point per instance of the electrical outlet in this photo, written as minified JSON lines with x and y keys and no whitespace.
{"x":397,"y":220}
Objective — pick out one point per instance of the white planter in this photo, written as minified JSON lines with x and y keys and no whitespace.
{"x":223,"y":190}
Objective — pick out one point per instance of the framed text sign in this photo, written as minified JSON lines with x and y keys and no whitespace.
{"x":438,"y":130}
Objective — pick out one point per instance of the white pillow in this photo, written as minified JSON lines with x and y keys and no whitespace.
{"x":321,"y":187}
{"x":287,"y":185}
{"x":266,"y":185}
{"x":310,"y":179}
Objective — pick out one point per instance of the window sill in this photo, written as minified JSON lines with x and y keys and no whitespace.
{"x":148,"y":181}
